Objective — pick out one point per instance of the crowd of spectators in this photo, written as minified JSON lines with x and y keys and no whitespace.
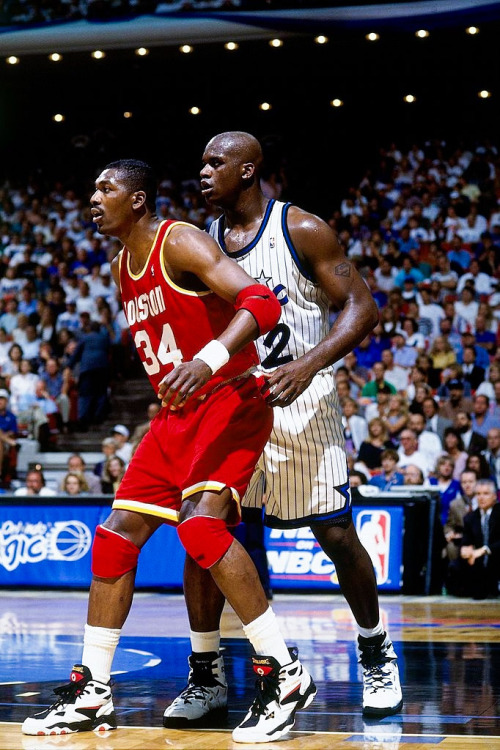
{"x":420,"y":397}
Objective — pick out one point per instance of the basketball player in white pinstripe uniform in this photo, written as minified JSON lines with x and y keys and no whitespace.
{"x":303,"y":470}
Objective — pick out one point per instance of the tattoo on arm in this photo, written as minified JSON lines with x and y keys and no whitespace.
{"x":343,"y":269}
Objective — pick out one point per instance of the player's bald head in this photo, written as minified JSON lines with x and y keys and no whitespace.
{"x":238,"y":144}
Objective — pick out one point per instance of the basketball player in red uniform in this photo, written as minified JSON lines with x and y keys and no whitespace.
{"x":193,"y":315}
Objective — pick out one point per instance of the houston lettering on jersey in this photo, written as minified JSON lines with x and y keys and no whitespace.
{"x":145,"y":305}
{"x":169,"y":324}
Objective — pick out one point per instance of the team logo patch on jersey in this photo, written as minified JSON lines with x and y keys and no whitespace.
{"x":262,"y":278}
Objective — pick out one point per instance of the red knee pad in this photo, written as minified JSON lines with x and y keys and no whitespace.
{"x":205,"y":539}
{"x":112,"y":554}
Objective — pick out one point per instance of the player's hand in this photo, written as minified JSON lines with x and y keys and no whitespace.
{"x":288,"y":382}
{"x":183,"y":382}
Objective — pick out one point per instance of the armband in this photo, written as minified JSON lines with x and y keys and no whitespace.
{"x":262,"y":303}
{"x":214,"y":354}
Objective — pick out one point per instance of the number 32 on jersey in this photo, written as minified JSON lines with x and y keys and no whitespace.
{"x":167,"y":354}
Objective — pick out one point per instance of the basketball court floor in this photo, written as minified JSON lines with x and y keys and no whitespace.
{"x":449,"y":658}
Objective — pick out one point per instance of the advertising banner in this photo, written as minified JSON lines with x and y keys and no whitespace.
{"x":297,"y":561}
{"x":51,"y":546}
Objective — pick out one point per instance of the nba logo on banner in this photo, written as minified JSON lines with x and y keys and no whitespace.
{"x":374,"y":531}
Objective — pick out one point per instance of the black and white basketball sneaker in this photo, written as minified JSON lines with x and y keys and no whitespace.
{"x":281,"y":691}
{"x":83,"y":705}
{"x":203,"y":702}
{"x":382,"y":694}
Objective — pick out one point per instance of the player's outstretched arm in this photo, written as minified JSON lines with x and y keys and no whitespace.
{"x":317,"y":244}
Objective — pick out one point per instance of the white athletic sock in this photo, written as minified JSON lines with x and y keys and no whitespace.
{"x":99,"y":646}
{"x":371,"y":632}
{"x":205,"y":643}
{"x":265,"y":636}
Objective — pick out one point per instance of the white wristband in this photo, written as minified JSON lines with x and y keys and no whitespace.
{"x":214,"y":354}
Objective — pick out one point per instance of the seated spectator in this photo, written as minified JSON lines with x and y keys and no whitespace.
{"x":69,"y":319}
{"x":343,"y":390}
{"x":371,"y":388}
{"x":396,"y":417}
{"x":447,"y":277}
{"x":466,"y":310}
{"x":403,"y":355}
{"x":455,"y":402}
{"x":8,"y":441}
{"x":408,"y":270}
{"x":357,"y":478}
{"x":459,"y":507}
{"x":11,"y":367}
{"x":395,"y":374}
{"x":473,"y":373}
{"x":482,"y":357}
{"x":358,"y":374}
{"x":8,"y":319}
{"x":442,"y":353}
{"x":453,"y":446}
{"x":409,"y":454}
{"x":74,"y":484}
{"x":112,"y":475}
{"x":76,"y":465}
{"x":120,"y":435}
{"x":23,"y":388}
{"x":389,"y":476}
{"x":35,"y":485}
{"x":381,"y":405}
{"x":355,"y":426}
{"x":422,"y":391}
{"x":454,"y":372}
{"x":449,"y":488}
{"x":5,"y":345}
{"x":413,"y":475}
{"x":477,"y":463}
{"x":483,"y":282}
{"x":486,"y":331}
{"x":434,"y":422}
{"x":414,"y":338}
{"x":458,"y":256}
{"x":476,"y":572}
{"x":495,"y":401}
{"x":482,"y":420}
{"x":487,"y":387}
{"x":429,"y":310}
{"x":492,"y":454}
{"x":428,"y":442}
{"x":368,"y":352}
{"x":432,"y":374}
{"x":473,"y":441}
{"x":389,"y":320}
{"x":109,"y":446}
{"x":385,"y":275}
{"x":370,"y":450}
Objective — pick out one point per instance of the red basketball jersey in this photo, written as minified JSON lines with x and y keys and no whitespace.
{"x":169,"y":325}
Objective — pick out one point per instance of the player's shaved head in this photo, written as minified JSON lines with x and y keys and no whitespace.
{"x":238,"y":144}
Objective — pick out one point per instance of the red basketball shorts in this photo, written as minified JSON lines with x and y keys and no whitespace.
{"x":207,"y":445}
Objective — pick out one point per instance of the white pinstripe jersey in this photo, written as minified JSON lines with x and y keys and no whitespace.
{"x":303,"y":467}
{"x":272,"y":260}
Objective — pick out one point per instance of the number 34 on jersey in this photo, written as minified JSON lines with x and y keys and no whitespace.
{"x":167,"y":354}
